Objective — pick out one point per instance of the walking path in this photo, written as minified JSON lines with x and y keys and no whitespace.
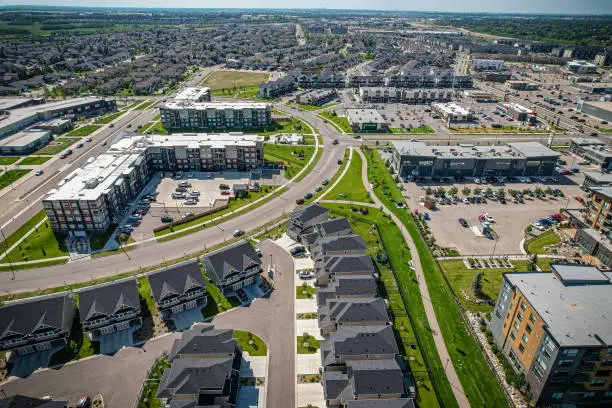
{"x":20,"y":240}
{"x":429,"y":310}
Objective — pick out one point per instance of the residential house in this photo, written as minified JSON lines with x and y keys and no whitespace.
{"x":204,"y":371}
{"x":303,"y":220}
{"x":177,"y":288}
{"x":36,"y":324}
{"x":347,"y":286}
{"x":352,"y":312}
{"x":328,"y":267}
{"x":331,"y":227}
{"x":110,"y":307}
{"x":338,"y":245}
{"x":234,"y":267}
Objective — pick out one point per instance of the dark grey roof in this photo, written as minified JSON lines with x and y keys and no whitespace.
{"x":189,"y":375}
{"x":376,"y":377}
{"x":175,"y":279}
{"x":382,"y":403}
{"x":109,"y":298}
{"x":334,"y":226}
{"x":334,"y":382}
{"x":350,"y":341}
{"x":348,"y":285}
{"x":26,"y":316}
{"x":203,"y":338}
{"x":22,"y":401}
{"x":341,"y":243}
{"x":349,"y":263}
{"x":176,"y":403}
{"x":353,"y":310}
{"x":309,"y":239}
{"x":226,"y":261}
{"x":309,"y":212}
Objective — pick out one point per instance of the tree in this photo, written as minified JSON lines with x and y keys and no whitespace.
{"x":453,"y":191}
{"x":477,"y":191}
{"x":477,"y":285}
{"x":488,"y":191}
{"x":466,"y":191}
{"x":440,"y":192}
{"x":513,"y":193}
{"x":532,"y":264}
{"x":501,"y":192}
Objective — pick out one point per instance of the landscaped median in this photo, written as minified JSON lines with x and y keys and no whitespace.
{"x":340,"y":122}
{"x":9,"y":177}
{"x":478,"y":381}
{"x":109,"y":118}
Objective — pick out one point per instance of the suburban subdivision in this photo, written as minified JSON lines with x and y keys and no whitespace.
{"x":305,"y":208}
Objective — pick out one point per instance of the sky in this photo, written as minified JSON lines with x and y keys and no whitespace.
{"x":514,"y":6}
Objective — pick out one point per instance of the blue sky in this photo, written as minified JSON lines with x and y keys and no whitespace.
{"x":515,"y":6}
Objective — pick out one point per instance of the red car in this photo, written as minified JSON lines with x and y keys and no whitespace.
{"x":225,"y":192}
{"x":557,"y":216}
{"x":84,"y":402}
{"x":566,"y":172}
{"x":579,"y":199}
{"x":299,"y":201}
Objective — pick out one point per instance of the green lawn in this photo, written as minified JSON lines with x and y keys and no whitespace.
{"x":251,"y":343}
{"x":40,"y":244}
{"x":308,"y":345}
{"x":79,"y":345}
{"x":285,"y":125}
{"x":304,"y":292}
{"x":57,"y":146}
{"x":83,"y":131}
{"x":21,"y":231}
{"x":479,"y":383}
{"x":234,"y":81}
{"x":147,"y":396}
{"x":11,"y":176}
{"x":146,"y":105}
{"x":109,"y":118}
{"x":340,"y":121}
{"x":409,"y":131}
{"x":34,"y":160}
{"x":158,"y":129}
{"x":310,"y":166}
{"x":6,"y":160}
{"x":536,"y":245}
{"x":351,"y":185}
{"x":144,"y":291}
{"x":290,"y":155}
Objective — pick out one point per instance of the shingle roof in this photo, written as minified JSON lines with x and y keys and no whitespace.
{"x":175,"y":279}
{"x":189,"y":375}
{"x":350,"y":341}
{"x":353,"y":310}
{"x":376,"y":376}
{"x":341,"y":243}
{"x":350,"y":263}
{"x":348,"y":285}
{"x":109,"y":298}
{"x":334,"y":226}
{"x":224,"y":262}
{"x":382,"y":403}
{"x":26,"y":316}
{"x":203,"y":338}
{"x":309,"y":212}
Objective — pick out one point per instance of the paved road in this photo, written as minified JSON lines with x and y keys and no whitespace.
{"x":273,"y":320}
{"x":118,"y":377}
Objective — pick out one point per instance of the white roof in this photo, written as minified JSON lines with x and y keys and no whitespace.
{"x":214,"y":105}
{"x":24,"y":138}
{"x":192,"y":94}
{"x":451,"y":108}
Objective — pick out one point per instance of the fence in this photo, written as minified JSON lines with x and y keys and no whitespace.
{"x":148,"y":380}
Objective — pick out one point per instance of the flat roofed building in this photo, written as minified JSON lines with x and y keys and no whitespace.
{"x":58,"y":125}
{"x":365,"y":120}
{"x":480,"y":64}
{"x":451,"y":112}
{"x":193,"y":94}
{"x":521,"y":85}
{"x":581,"y":67}
{"x":595,"y":151}
{"x":404,"y":95}
{"x":517,"y":112}
{"x":94,"y":196}
{"x":417,"y":159}
{"x":215,"y":115}
{"x":554,"y":327}
{"x":25,"y":142}
{"x":317,"y":97}
{"x":600,"y":110}
{"x":596,"y":179}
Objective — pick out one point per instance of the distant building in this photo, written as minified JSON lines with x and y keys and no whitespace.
{"x":302,"y":221}
{"x":479,"y":64}
{"x":278,"y":87}
{"x":554,"y":329}
{"x":451,"y":112}
{"x":193,"y":94}
{"x":215,"y":115}
{"x":404,"y":95}
{"x":600,"y":110}
{"x":581,"y":67}
{"x":25,"y":142}
{"x":234,"y":267}
{"x":595,"y":243}
{"x":366,"y":120}
{"x":56,"y":125}
{"x":317,"y":97}
{"x":603,"y":59}
{"x":596,"y":179}
{"x":522,"y":85}
{"x":595,"y":151}
{"x":518,"y":112}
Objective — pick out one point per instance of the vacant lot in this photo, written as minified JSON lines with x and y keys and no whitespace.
{"x":234,"y":79}
{"x":12,"y":175}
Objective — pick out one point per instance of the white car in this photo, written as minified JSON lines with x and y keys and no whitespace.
{"x":466,"y":201}
{"x":477,"y":181}
{"x":539,"y":226}
{"x":488,"y":217}
{"x":136,"y":216}
{"x":306,"y":275}
{"x":190,"y":175}
{"x":195,"y":193}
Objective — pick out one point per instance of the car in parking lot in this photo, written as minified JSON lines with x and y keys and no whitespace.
{"x":299,"y":201}
{"x":307,"y":196}
{"x":191,"y":201}
{"x":463,"y":222}
{"x":225,"y":192}
{"x":325,"y":182}
{"x":238,"y":233}
{"x":306,"y":275}
{"x":39,"y":172}
{"x":296,"y":250}
{"x":176,"y":196}
{"x":224,"y":187}
{"x":318,"y":188}
{"x":166,"y":219}
{"x":187,"y":214}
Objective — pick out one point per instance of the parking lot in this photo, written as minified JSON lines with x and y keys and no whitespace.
{"x":509,"y":220}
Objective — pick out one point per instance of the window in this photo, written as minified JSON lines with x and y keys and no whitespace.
{"x":512,"y":336}
{"x":532,"y":318}
{"x":557,"y":396}
{"x":516,"y":326}
{"x":598,"y":383}
{"x":525,"y":338}
{"x":519,"y":316}
{"x":570,"y":352}
{"x":523,"y":307}
{"x":537,"y":373}
{"x":521,"y":348}
{"x":589,"y":394}
{"x":608,"y":394}
{"x":528,"y":329}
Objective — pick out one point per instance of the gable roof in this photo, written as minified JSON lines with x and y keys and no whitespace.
{"x":309,"y":212}
{"x":109,"y":298}
{"x":354,"y":310}
{"x":334,"y":226}
{"x":341,"y":243}
{"x":350,"y":341}
{"x":175,"y":279}
{"x":376,"y":377}
{"x":189,"y":375}
{"x":348,"y":263}
{"x":348,"y":285}
{"x":26,"y":316}
{"x":203,"y":338}
{"x":225,"y":261}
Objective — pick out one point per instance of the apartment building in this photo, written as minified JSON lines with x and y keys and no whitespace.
{"x":595,"y":151}
{"x":554,"y":328}
{"x":278,"y":87}
{"x":595,"y":243}
{"x":479,"y":64}
{"x":596,"y":179}
{"x":429,"y":77}
{"x":94,"y":196}
{"x":215,"y":115}
{"x":193,"y":94}
{"x":317,"y":97}
{"x":598,"y":214}
{"x":404,"y":95}
{"x":581,"y":67}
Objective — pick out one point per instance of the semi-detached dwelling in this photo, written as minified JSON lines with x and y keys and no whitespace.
{"x":234,"y":267}
{"x":93,"y":197}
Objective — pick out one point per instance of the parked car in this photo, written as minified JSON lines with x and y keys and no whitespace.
{"x":39,"y":172}
{"x":538,"y":226}
{"x":238,"y":233}
{"x":306,"y":275}
{"x":167,"y":219}
{"x":463,"y":222}
{"x":89,"y":139}
{"x":488,"y":218}
{"x":191,"y":201}
{"x":187,"y":214}
{"x":325,"y":182}
{"x":84,"y":402}
{"x":296,"y":250}
{"x":299,"y":201}
{"x":79,"y":145}
{"x":195,"y":193}
{"x":225,"y":192}
{"x":224,"y":187}
{"x":318,"y":188}
{"x":307,"y":196}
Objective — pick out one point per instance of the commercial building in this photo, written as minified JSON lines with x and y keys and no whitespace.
{"x":595,"y":151}
{"x":25,"y":142}
{"x":494,"y":76}
{"x":7,"y":104}
{"x":404,"y":95}
{"x":600,"y":110}
{"x":193,"y":94}
{"x":366,"y":120}
{"x":215,"y":115}
{"x":517,"y":112}
{"x":581,"y":67}
{"x":522,"y":85}
{"x":451,"y":112}
{"x":17,"y":119}
{"x":596,"y":179}
{"x":91,"y":198}
{"x":514,"y":159}
{"x":317,"y":97}
{"x":594,"y":87}
{"x":36,"y":324}
{"x":479,"y":64}
{"x":56,"y":126}
{"x":555,"y":329}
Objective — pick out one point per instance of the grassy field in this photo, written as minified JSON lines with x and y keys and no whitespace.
{"x":234,"y":80}
{"x":57,"y":146}
{"x":40,"y":244}
{"x":286,"y":125}
{"x":479,"y":383}
{"x":351,"y":185}
{"x":304,"y":292}
{"x":414,"y":353}
{"x":460,"y":278}
{"x":251,"y":343}
{"x":83,"y":131}
{"x":21,"y":231}
{"x":6,"y":160}
{"x":34,"y":160}
{"x":288,"y":155}
{"x":11,"y":176}
{"x":308,"y":345}
{"x":536,"y":245}
{"x":109,"y":118}
{"x":339,"y":121}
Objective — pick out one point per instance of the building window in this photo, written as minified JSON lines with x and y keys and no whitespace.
{"x":516,"y":326}
{"x":589,"y":394}
{"x":512,"y":336}
{"x":532,"y":318}
{"x":525,"y":338}
{"x":528,"y":329}
{"x":519,"y":316}
{"x":557,"y":396}
{"x":597,"y":383}
{"x":521,"y":348}
{"x":523,"y":307}
{"x":608,"y":394}
{"x":571,"y":352}
{"x":537,"y":373}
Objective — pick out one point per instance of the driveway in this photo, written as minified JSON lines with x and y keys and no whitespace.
{"x":113,"y":342}
{"x":27,"y":364}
